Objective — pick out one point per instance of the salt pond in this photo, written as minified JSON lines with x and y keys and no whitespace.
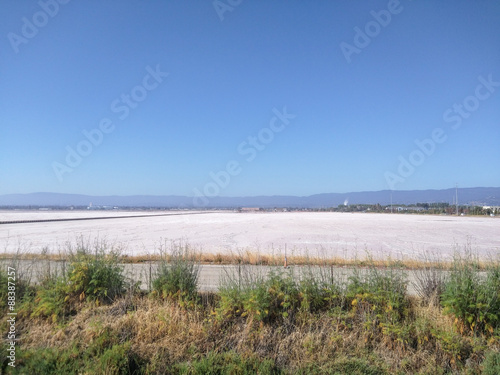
{"x":346,"y":235}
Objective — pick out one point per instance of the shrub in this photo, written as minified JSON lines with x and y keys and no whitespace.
{"x":379,"y":294}
{"x":263,"y":298}
{"x":319,"y":291}
{"x":275,"y":297}
{"x":280,"y":294}
{"x":177,"y":277}
{"x":95,"y":277}
{"x":473,"y":300}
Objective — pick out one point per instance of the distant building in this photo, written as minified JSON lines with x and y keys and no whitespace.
{"x":249,"y":209}
{"x":493,"y":209}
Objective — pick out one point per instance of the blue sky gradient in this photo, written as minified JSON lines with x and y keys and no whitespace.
{"x":355,"y":120}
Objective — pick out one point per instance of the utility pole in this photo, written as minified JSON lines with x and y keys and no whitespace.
{"x":456,"y":196}
{"x":391,"y":201}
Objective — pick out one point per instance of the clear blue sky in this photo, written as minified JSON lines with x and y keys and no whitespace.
{"x":356,"y":112}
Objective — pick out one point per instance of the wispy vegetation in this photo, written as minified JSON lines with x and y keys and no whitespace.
{"x":85,"y":318}
{"x":176,"y":274}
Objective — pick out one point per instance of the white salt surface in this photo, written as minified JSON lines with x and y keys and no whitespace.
{"x":346,"y":235}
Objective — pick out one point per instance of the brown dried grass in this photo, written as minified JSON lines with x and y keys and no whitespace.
{"x":256,"y":258}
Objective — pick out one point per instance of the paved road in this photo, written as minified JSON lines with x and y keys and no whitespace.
{"x":210,"y":276}
{"x":98,"y":218}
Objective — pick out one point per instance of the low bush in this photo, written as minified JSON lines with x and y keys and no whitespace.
{"x":264,"y":298}
{"x":319,"y":292}
{"x":380,"y":296}
{"x":278,"y":295}
{"x":95,"y":277}
{"x":472,"y":299}
{"x":177,"y":275}
{"x":275,"y":297}
{"x":91,"y":277}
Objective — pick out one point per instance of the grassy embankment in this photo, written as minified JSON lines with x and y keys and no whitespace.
{"x":90,"y":319}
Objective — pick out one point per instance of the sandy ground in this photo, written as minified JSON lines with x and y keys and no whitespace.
{"x":345,"y":235}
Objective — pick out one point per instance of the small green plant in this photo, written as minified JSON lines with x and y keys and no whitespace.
{"x":114,"y":359}
{"x":343,"y":365}
{"x":264,"y":298}
{"x":379,"y":295}
{"x":50,"y":300}
{"x":318,"y":290}
{"x":276,"y":297}
{"x":279,"y":294}
{"x":177,"y":276}
{"x":95,"y":276}
{"x":473,"y":299}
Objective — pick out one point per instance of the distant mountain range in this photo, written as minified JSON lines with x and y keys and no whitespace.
{"x":474,"y":196}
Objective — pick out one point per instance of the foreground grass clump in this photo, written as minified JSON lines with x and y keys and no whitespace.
{"x":382,"y":295}
{"x":113,"y":359}
{"x":177,"y":275}
{"x":472,"y":299}
{"x":95,"y":276}
{"x":227,"y":363}
{"x":91,"y":276}
{"x":276,"y":296}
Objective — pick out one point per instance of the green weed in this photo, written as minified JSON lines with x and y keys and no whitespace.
{"x":177,"y":275}
{"x":472,"y":299}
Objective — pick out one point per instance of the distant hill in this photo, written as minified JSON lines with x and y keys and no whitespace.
{"x":475,"y":196}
